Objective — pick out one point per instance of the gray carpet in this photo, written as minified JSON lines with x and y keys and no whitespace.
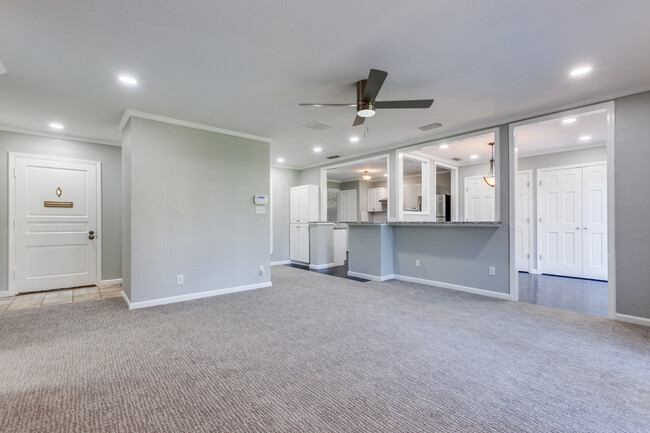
{"x":321,"y":353}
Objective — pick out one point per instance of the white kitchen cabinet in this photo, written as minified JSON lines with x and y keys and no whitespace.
{"x":299,"y":242}
{"x":348,"y":206}
{"x":374,"y":195}
{"x":303,"y":204}
{"x":412,"y":197}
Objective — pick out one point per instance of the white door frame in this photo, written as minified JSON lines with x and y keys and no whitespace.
{"x":538,"y":250}
{"x":531,"y":217}
{"x":609,"y":107}
{"x":11,"y":205}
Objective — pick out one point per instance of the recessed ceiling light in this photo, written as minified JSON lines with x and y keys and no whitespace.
{"x":444,"y":146}
{"x":585,"y":138}
{"x":569,"y":121}
{"x":385,"y":174}
{"x":56,"y":125}
{"x":127,"y":79}
{"x":582,"y":70}
{"x":516,"y":149}
{"x":280,"y":159}
{"x":317,"y":149}
{"x":354,"y":139}
{"x":474,"y":156}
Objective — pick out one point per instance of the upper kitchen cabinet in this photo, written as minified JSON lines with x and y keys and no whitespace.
{"x":303,"y":204}
{"x":377,"y":199}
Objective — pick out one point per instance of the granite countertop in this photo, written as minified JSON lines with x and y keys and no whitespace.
{"x":433,"y":223}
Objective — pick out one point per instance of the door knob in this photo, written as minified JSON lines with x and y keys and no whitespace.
{"x":91,"y":234}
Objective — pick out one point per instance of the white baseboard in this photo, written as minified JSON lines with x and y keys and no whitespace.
{"x":536,"y":271}
{"x":281,"y":262}
{"x":458,"y":287}
{"x":6,"y":294}
{"x":325,"y":266}
{"x":371,"y":277}
{"x":126,"y":299}
{"x":104,"y":283}
{"x":191,"y":296}
{"x":632,"y":319}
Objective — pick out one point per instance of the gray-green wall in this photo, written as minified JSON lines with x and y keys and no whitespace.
{"x":631,"y":158}
{"x":283,"y":179}
{"x":192,"y":210}
{"x":109,"y":156}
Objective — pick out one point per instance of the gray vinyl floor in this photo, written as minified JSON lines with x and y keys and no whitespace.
{"x":573,"y":294}
{"x":317,"y":353}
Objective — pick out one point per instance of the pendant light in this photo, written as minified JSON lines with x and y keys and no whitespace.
{"x":490,"y":179}
{"x":366,"y":176}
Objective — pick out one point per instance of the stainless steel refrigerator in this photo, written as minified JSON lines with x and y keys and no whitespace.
{"x":443,"y":207}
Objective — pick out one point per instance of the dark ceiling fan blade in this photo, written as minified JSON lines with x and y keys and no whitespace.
{"x":358,"y":121}
{"x":328,"y":105}
{"x":375,"y":81}
{"x":415,"y":103}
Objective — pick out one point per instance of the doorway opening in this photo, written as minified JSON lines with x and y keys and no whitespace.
{"x":561,"y":239}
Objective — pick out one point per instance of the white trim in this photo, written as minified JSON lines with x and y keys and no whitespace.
{"x":59,"y":136}
{"x":126,"y":299}
{"x":579,"y":165}
{"x":142,"y":115}
{"x":632,"y":319}
{"x":192,"y":296}
{"x":609,"y":107}
{"x":370,"y":277}
{"x":535,"y":271}
{"x":6,"y":294}
{"x":562,"y":150}
{"x":467,"y":289}
{"x":323,"y":266}
{"x":11,"y":211}
{"x":323,"y":180}
{"x":281,"y":262}
{"x":105,"y":283}
{"x":531,"y":217}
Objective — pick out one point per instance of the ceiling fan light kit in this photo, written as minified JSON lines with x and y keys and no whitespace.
{"x":367,"y":91}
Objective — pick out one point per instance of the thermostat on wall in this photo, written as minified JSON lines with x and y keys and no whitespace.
{"x":261,"y":199}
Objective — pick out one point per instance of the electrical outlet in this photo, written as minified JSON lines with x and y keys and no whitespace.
{"x":180,"y":279}
{"x":262,"y":270}
{"x":493,"y":270}
{"x":417,"y":263}
{"x":260,"y":210}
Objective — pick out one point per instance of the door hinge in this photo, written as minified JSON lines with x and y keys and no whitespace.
{"x":527,"y":220}
{"x":14,"y":172}
{"x":14,"y":273}
{"x":527,"y":183}
{"x":540,"y":183}
{"x":540,"y":257}
{"x":528,"y":256}
{"x":14,"y":223}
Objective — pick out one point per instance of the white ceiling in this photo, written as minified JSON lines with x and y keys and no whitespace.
{"x":375,"y":167}
{"x":554,"y":136}
{"x":245,"y":65}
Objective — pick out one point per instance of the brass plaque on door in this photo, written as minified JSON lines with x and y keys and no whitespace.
{"x":57,"y":203}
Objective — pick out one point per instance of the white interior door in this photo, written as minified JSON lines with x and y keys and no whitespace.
{"x":594,"y":230}
{"x":560,"y":210}
{"x":522,"y":220}
{"x":479,"y":199}
{"x":55,"y":212}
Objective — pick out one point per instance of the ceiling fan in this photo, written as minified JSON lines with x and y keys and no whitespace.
{"x":367,"y":91}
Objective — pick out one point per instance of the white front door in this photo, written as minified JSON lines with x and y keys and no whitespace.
{"x":522,"y":220}
{"x":479,"y":199}
{"x":594,"y":230}
{"x":560,"y":210}
{"x":55,"y":223}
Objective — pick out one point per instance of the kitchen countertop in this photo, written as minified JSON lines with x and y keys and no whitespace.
{"x":433,"y":223}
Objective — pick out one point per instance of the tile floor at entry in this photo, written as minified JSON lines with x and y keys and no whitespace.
{"x":57,"y":297}
{"x":573,"y":294}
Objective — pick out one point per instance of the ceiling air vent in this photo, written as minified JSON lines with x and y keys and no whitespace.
{"x":333,"y":156}
{"x":430,"y":126}
{"x":317,"y":126}
{"x":456,"y":159}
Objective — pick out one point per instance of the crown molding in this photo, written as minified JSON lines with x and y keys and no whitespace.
{"x":142,"y":115}
{"x":59,"y":136}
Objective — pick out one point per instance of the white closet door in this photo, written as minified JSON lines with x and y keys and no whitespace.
{"x":595,"y":222}
{"x":479,"y":199}
{"x":522,"y":221}
{"x":560,"y":209}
